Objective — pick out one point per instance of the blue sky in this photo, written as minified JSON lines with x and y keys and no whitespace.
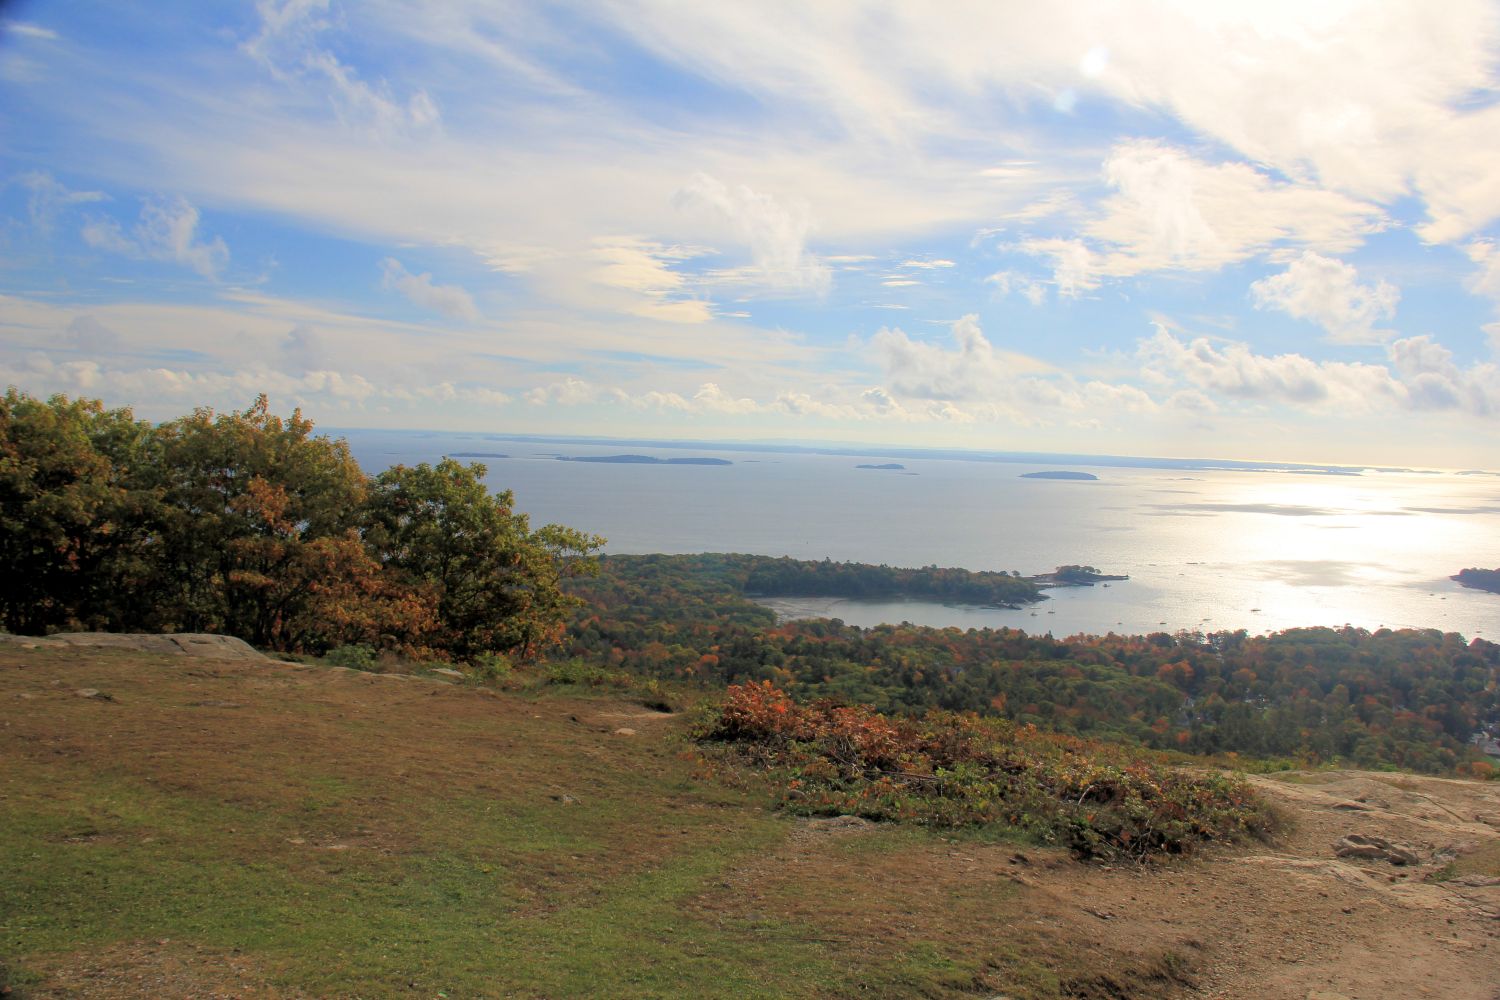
{"x":1258,"y":230}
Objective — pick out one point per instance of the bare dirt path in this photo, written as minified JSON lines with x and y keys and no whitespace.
{"x":1292,"y":921}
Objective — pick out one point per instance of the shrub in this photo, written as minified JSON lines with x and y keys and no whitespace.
{"x":356,"y":657}
{"x":952,"y":770}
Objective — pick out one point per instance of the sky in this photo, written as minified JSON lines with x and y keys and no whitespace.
{"x":1263,"y":230}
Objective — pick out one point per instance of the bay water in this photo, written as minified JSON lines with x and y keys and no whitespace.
{"x":1205,"y":550}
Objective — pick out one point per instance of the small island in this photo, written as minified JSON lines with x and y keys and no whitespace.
{"x":1479,"y":579}
{"x":642,"y":460}
{"x":889,"y":465}
{"x":477,"y":454}
{"x":1074,"y":576}
{"x":1088,"y":476}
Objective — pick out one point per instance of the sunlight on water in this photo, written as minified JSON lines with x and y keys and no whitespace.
{"x":1205,"y":550}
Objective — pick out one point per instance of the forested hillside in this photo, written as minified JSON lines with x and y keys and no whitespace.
{"x":1410,"y":698}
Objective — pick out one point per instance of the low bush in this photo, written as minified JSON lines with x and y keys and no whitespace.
{"x":356,"y":657}
{"x":955,"y":770}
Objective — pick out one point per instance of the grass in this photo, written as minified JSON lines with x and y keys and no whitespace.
{"x":311,"y":832}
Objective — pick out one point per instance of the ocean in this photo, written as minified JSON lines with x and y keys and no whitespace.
{"x":1205,"y":549}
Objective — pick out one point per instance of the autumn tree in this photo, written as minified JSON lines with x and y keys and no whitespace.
{"x":243,"y":492}
{"x":497,"y":582}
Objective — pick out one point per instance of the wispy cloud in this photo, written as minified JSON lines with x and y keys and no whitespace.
{"x":776,"y":233}
{"x":419,"y":289}
{"x":168,"y":231}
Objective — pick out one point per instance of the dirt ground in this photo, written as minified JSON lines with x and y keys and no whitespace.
{"x":1294,"y":922}
{"x":1281,"y":921}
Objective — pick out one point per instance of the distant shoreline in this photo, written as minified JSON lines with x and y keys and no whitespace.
{"x":948,"y":454}
{"x":641,"y":460}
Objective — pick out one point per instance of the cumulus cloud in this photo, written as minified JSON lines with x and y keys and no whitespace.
{"x":419,"y":289}
{"x":1327,"y":291}
{"x":168,"y":231}
{"x":971,"y":369}
{"x":775,"y":233}
{"x":568,"y":392}
{"x":1075,"y":269}
{"x":1421,"y":376}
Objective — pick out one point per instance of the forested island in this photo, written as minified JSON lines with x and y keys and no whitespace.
{"x":890,"y":466}
{"x":1479,"y":579}
{"x":1075,"y":576}
{"x":642,"y":460}
{"x":1081,"y":476}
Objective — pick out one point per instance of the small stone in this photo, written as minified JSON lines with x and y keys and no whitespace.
{"x":448,"y":672}
{"x":624,"y":731}
{"x":1357,"y":845}
{"x":93,"y":693}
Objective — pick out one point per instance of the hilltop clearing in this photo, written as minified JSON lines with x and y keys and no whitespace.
{"x":177,"y":826}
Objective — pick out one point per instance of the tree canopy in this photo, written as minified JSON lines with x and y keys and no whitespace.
{"x":248,"y":523}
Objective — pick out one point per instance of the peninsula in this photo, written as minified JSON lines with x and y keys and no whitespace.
{"x":1479,"y":579}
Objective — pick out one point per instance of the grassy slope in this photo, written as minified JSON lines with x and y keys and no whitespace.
{"x":307,"y":831}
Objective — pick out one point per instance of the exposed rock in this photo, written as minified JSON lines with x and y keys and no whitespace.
{"x":197,"y":644}
{"x":839,"y":823}
{"x":624,"y":731}
{"x":93,"y":693}
{"x":1357,"y":845}
{"x":448,"y":672}
{"x":1352,"y":806}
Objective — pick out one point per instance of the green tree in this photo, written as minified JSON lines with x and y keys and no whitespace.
{"x":497,"y":582}
{"x":76,"y":516}
{"x":244,"y":493}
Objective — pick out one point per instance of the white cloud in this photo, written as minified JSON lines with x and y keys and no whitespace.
{"x":973,"y":369}
{"x":167,"y":230}
{"x":1008,"y":282}
{"x":1421,"y":376}
{"x":1486,"y":279}
{"x":775,"y":233}
{"x":28,"y":30}
{"x":643,"y":270}
{"x":49,"y":199}
{"x":1170,"y":210}
{"x":1327,"y":291}
{"x":419,"y":289}
{"x":287,"y":46}
{"x":569,"y":392}
{"x":1075,"y":269}
{"x":1236,"y":371}
{"x":927,"y":264}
